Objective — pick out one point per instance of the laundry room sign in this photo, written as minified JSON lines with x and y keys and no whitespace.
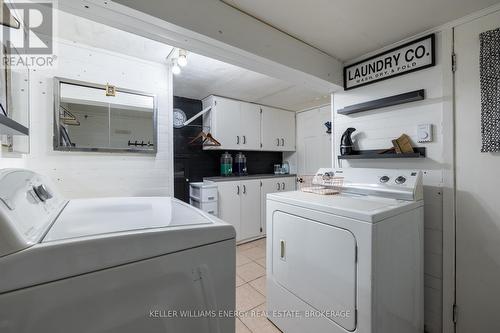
{"x":407,"y":58}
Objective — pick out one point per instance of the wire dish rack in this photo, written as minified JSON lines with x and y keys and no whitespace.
{"x":325,"y":185}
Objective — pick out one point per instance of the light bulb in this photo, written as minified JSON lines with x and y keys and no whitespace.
{"x":182,"y":61}
{"x":176,"y":70}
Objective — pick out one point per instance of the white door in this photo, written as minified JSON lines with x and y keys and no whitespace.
{"x":314,"y":146}
{"x":250,"y":126}
{"x":226,"y":119}
{"x":250,"y":209}
{"x":229,"y":204}
{"x":478,"y":183}
{"x":318,"y":263}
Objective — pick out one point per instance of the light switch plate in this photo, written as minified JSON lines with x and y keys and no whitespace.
{"x":424,"y":133}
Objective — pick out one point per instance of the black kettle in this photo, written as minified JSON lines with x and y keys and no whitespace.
{"x":346,"y":145}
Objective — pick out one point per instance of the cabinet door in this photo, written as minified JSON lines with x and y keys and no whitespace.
{"x":270,"y":185}
{"x":250,"y":126}
{"x":287,"y":130}
{"x":225,"y":126}
{"x":271,"y":132}
{"x":229,"y":204}
{"x":250,"y":209}
{"x":278,"y":129}
{"x":287,"y":184}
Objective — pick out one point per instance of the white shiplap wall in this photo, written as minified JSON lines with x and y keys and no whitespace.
{"x":100,"y":174}
{"x":375,"y":129}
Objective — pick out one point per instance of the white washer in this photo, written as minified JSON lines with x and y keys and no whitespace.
{"x":111,"y":264}
{"x":351,"y":262}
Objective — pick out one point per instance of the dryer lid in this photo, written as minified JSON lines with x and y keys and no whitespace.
{"x":90,"y":217}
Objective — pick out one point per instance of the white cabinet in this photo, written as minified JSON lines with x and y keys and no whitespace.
{"x":239,"y":204}
{"x":250,"y":208}
{"x":229,"y":204}
{"x":278,"y":129}
{"x":273,"y":185}
{"x":235,"y":124}
{"x":250,"y":126}
{"x":240,"y":125}
{"x":243,"y":203}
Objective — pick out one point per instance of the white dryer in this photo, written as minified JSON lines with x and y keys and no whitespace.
{"x":111,"y":264}
{"x":351,"y":262}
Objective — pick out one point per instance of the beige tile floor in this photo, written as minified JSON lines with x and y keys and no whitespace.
{"x":251,"y":288}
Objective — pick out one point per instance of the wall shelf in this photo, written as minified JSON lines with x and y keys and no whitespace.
{"x":11,"y":127}
{"x":408,"y":97}
{"x":377,"y":154}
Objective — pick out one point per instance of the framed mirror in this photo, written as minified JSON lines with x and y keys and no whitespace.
{"x":102,"y":118}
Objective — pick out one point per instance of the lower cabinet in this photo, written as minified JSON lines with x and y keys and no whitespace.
{"x":243,"y":203}
{"x":273,"y":185}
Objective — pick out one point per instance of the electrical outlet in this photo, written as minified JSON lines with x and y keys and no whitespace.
{"x":424,"y":133}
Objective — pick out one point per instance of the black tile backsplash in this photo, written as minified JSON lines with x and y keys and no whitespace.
{"x":192,"y":163}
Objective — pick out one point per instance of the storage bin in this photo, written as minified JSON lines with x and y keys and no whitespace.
{"x":203,"y":191}
{"x":210,"y":207}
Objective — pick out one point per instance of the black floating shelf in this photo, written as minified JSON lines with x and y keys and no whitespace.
{"x":377,"y":153}
{"x":11,"y":127}
{"x":408,"y":97}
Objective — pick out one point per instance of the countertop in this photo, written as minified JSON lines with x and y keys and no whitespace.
{"x":248,"y":177}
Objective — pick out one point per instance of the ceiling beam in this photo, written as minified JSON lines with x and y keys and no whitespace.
{"x":213,"y":29}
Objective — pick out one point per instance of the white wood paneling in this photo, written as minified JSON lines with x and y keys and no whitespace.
{"x":375,"y":129}
{"x":101,"y":174}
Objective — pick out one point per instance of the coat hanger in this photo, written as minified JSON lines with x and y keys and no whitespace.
{"x":208,"y":139}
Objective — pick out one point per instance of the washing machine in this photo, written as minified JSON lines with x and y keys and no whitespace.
{"x":110,"y":264}
{"x":348,"y":262}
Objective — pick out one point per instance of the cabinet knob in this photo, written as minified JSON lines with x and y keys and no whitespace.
{"x":244,"y":189}
{"x":282,"y":142}
{"x":279,"y":186}
{"x":277,"y":142}
{"x":244,"y":139}
{"x":237,"y":139}
{"x":238,"y":189}
{"x":283,"y":187}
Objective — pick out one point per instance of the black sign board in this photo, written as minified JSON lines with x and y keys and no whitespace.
{"x":404,"y":59}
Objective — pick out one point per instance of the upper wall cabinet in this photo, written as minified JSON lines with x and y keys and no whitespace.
{"x":278,"y":129}
{"x":236,"y":125}
{"x":242,"y":126}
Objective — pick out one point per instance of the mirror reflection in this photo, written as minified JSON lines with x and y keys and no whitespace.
{"x":91,"y":120}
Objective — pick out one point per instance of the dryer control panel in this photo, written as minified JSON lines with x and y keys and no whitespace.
{"x":390,"y":183}
{"x":29,"y":203}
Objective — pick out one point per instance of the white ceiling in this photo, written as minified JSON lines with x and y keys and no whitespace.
{"x":205,"y":76}
{"x":202,"y":76}
{"x":352,"y":28}
{"x":84,"y":31}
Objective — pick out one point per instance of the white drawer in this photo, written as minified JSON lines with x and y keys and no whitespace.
{"x":203,"y":191}
{"x":207,"y":207}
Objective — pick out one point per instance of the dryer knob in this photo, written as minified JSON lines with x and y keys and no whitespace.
{"x":384,"y":179}
{"x":42,"y":193}
{"x":400,"y":180}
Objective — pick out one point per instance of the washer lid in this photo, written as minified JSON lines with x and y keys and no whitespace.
{"x":96,"y":234}
{"x":89,"y":217}
{"x":361,"y":207}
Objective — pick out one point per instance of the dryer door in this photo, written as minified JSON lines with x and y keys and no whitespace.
{"x":317,"y":263}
